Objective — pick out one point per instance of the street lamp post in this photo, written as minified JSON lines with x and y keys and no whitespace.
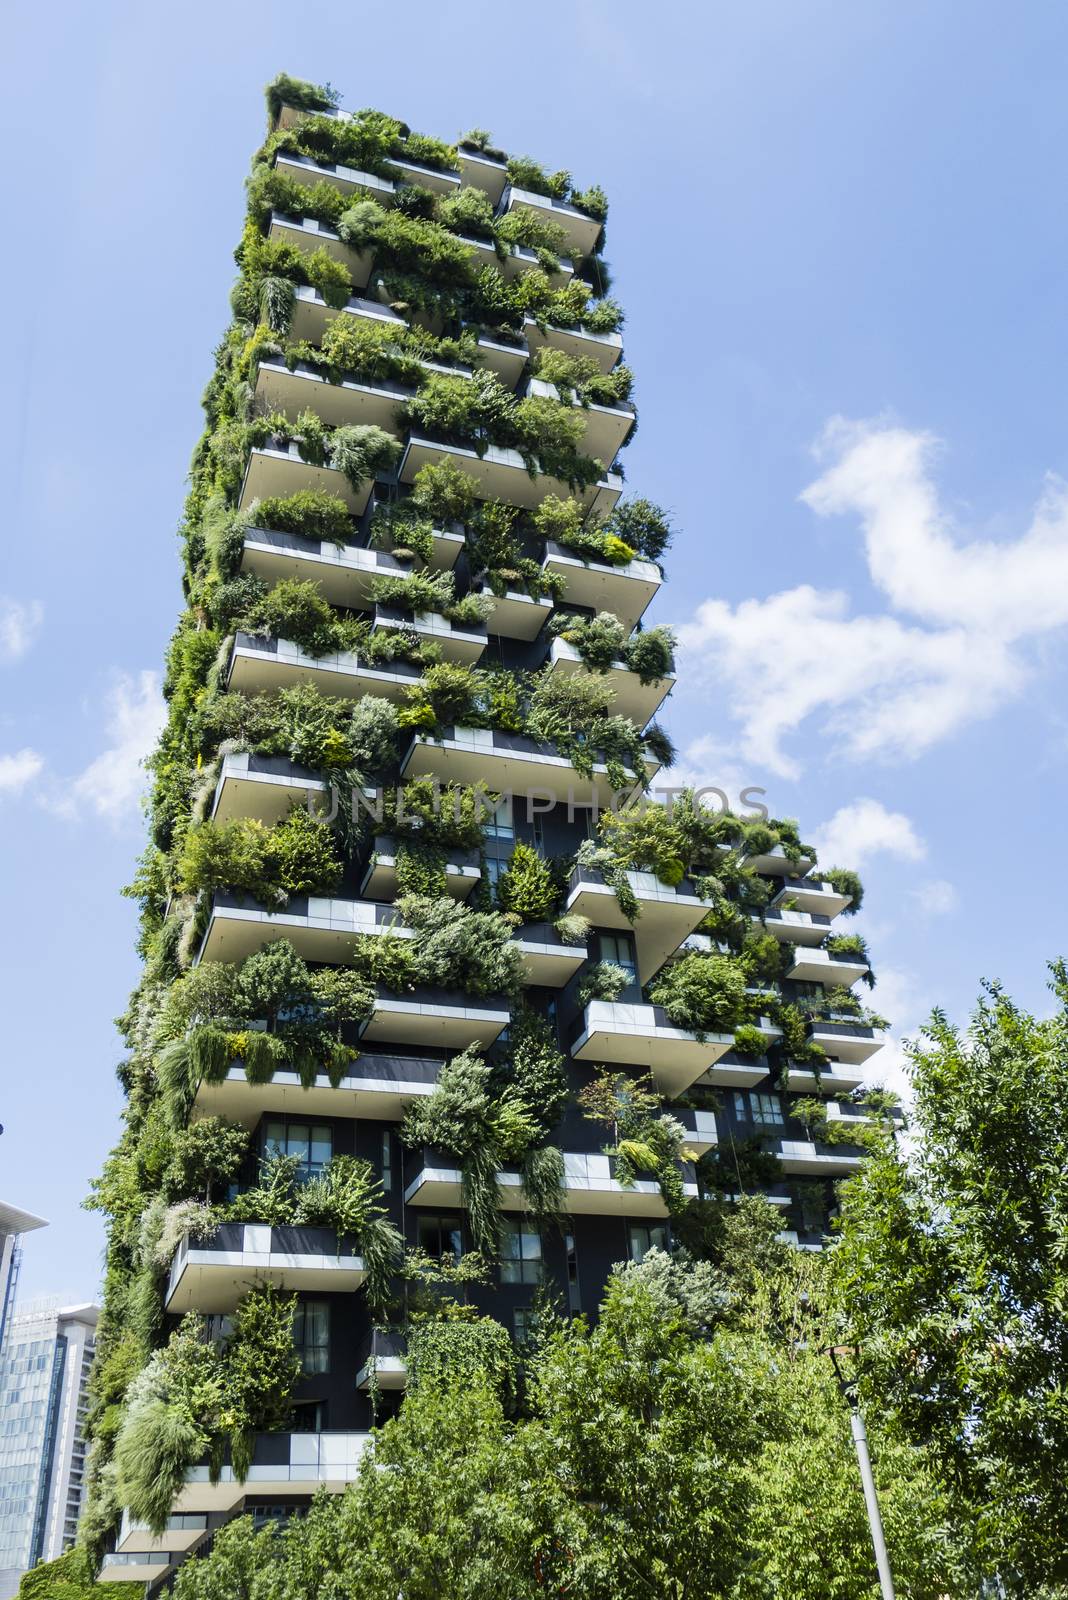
{"x":871,"y":1500}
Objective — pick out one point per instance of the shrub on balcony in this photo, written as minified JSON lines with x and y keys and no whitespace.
{"x":296,"y":610}
{"x":548,"y":239}
{"x":843,"y":881}
{"x":298,"y":93}
{"x":421,"y":870}
{"x":444,"y":493}
{"x":580,"y":378}
{"x":310,"y":512}
{"x":431,"y":152}
{"x":447,"y":815}
{"x":298,"y":856}
{"x":362,"y":452}
{"x":494,"y":553}
{"x":526,"y":173}
{"x":702,"y":993}
{"x":642,"y":525}
{"x":347,"y":1196}
{"x":455,"y":947}
{"x":448,"y":695}
{"x":642,"y":1140}
{"x":565,"y":522}
{"x":527,"y":887}
{"x":468,"y":211}
{"x":398,"y":526}
{"x":602,"y":980}
{"x":749,"y":1041}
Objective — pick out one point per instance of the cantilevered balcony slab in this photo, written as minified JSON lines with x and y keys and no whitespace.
{"x":505,"y":357}
{"x":501,"y":474}
{"x":462,"y":871}
{"x":734,"y":1071}
{"x":212,"y":1275}
{"x":181,"y":1533}
{"x":266,"y":788}
{"x":643,"y":1036}
{"x":341,"y":404}
{"x":582,"y":231}
{"x":508,"y":763}
{"x":796,"y":927}
{"x":516,"y":615}
{"x":279,"y":470}
{"x":833,"y":1078}
{"x":702,"y":1132}
{"x":604,"y":348}
{"x":515,"y":261}
{"x":547,"y":960}
{"x":849,"y":1042}
{"x":776,"y":863}
{"x":282,"y":1464}
{"x":260,"y":665}
{"x":312,"y":315}
{"x":813,"y":895}
{"x":319,"y":928}
{"x":483,"y":172}
{"x":591,"y":1187}
{"x":634,"y":699}
{"x":344,"y":573}
{"x":140,"y":1567}
{"x":607,"y":428}
{"x":666,"y":915}
{"x":439,"y":1018}
{"x":809,"y":1158}
{"x":383,"y":1360}
{"x":378,"y":1085}
{"x":457,"y":641}
{"x":347,"y":180}
{"x":309,"y":235}
{"x":821,"y":966}
{"x":625,"y":591}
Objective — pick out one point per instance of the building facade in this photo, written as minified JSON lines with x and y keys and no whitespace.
{"x":44,"y":1373}
{"x":411,"y":929}
{"x":13,"y":1224}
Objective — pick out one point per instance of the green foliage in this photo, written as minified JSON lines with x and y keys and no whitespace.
{"x":206,"y":1153}
{"x":443,"y":493}
{"x":362,"y":451}
{"x":310,"y":512}
{"x":602,"y":980}
{"x":68,"y":1578}
{"x":527,"y":887}
{"x":297,"y":856}
{"x":298,"y":93}
{"x":525,"y":173}
{"x":843,"y":881}
{"x":454,"y":947}
{"x":702,"y":993}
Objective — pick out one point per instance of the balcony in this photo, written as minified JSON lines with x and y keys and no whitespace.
{"x":582,"y":231}
{"x":776,"y":863}
{"x":634,"y":699}
{"x":312,"y":315}
{"x":810,"y":1159}
{"x":438,"y":1018}
{"x":834,"y":1078}
{"x":265,"y":787}
{"x":666,"y":915}
{"x":319,"y":928}
{"x":547,"y":960}
{"x":344,"y":573}
{"x":437,"y":179}
{"x":308,"y":234}
{"x":282,"y":1463}
{"x":500,"y":474}
{"x":607,"y":427}
{"x":132,"y":1566}
{"x":377,"y":1085}
{"x":515,"y":261}
{"x":591,"y":1187}
{"x":702,"y":1133}
{"x":462,"y":871}
{"x":260,"y":665}
{"x":849,"y":1042}
{"x":643,"y":1036}
{"x":456,"y":642}
{"x":507,"y":762}
{"x":820,"y":966}
{"x":383,"y":1360}
{"x":516,"y":615}
{"x":504,"y":357}
{"x":212,"y":1275}
{"x":625,"y":591}
{"x":302,"y":388}
{"x":348,"y":180}
{"x":180,"y":1534}
{"x":812,"y":895}
{"x":278,"y":470}
{"x":604,"y":348}
{"x":483,"y":172}
{"x":796,"y":927}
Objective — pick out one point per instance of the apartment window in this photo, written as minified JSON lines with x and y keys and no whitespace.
{"x":520,"y":1252}
{"x":309,"y":1417}
{"x":523,"y":1323}
{"x":387,"y":1162}
{"x":311,"y":1142}
{"x":311,"y":1335}
{"x":767,"y":1110}
{"x":574,"y":1298}
{"x":619,"y":948}
{"x":643,"y":1237}
{"x":441,"y":1237}
{"x":499,"y":824}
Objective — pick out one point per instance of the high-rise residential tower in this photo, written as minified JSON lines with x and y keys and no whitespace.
{"x":13,"y":1224}
{"x":44,"y":1373}
{"x":433,"y":1001}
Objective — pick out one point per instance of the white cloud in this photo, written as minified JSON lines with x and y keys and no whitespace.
{"x":19,"y":770}
{"x":19,"y":622}
{"x":936,"y":898}
{"x":706,"y":763}
{"x":111,"y":785}
{"x":878,"y":685}
{"x":863,"y":829}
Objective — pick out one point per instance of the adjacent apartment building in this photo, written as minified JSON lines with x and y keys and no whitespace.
{"x":426,"y":977}
{"x":44,"y":1370}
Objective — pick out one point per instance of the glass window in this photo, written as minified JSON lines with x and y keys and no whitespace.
{"x":619,"y":947}
{"x":387,"y":1163}
{"x":311,"y":1142}
{"x":499,"y":823}
{"x":520,"y":1252}
{"x":574,"y":1299}
{"x":523,"y":1321}
{"x":441,"y":1237}
{"x":646,"y":1236}
{"x":767,"y":1110}
{"x":309,"y":1416}
{"x":311,"y":1335}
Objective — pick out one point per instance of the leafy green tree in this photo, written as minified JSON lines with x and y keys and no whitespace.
{"x":953,"y":1264}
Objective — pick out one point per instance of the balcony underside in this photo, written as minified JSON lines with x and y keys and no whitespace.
{"x":625,"y":591}
{"x":361,"y":1093}
{"x":347,"y":180}
{"x":344,"y":573}
{"x":316,"y":1461}
{"x":818,"y":966}
{"x":338,"y":404}
{"x":280,"y":473}
{"x":517,"y":616}
{"x":586,"y":1193}
{"x":308,"y":235}
{"x":312,"y":315}
{"x":665,"y":920}
{"x":214,"y":1282}
{"x":438,"y":1024}
{"x":634,"y":699}
{"x":454,"y":760}
{"x":831,"y":1079}
{"x":813,"y":896}
{"x":802,"y":1159}
{"x":455,"y":642}
{"x":603,"y":348}
{"x":267,"y":796}
{"x":380,"y":879}
{"x":582,"y":231}
{"x":138,"y":1567}
{"x":639,"y":1036}
{"x":501,"y":475}
{"x":851,"y":1048}
{"x":256,"y":669}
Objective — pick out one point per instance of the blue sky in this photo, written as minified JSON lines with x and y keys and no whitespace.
{"x":840,"y":237}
